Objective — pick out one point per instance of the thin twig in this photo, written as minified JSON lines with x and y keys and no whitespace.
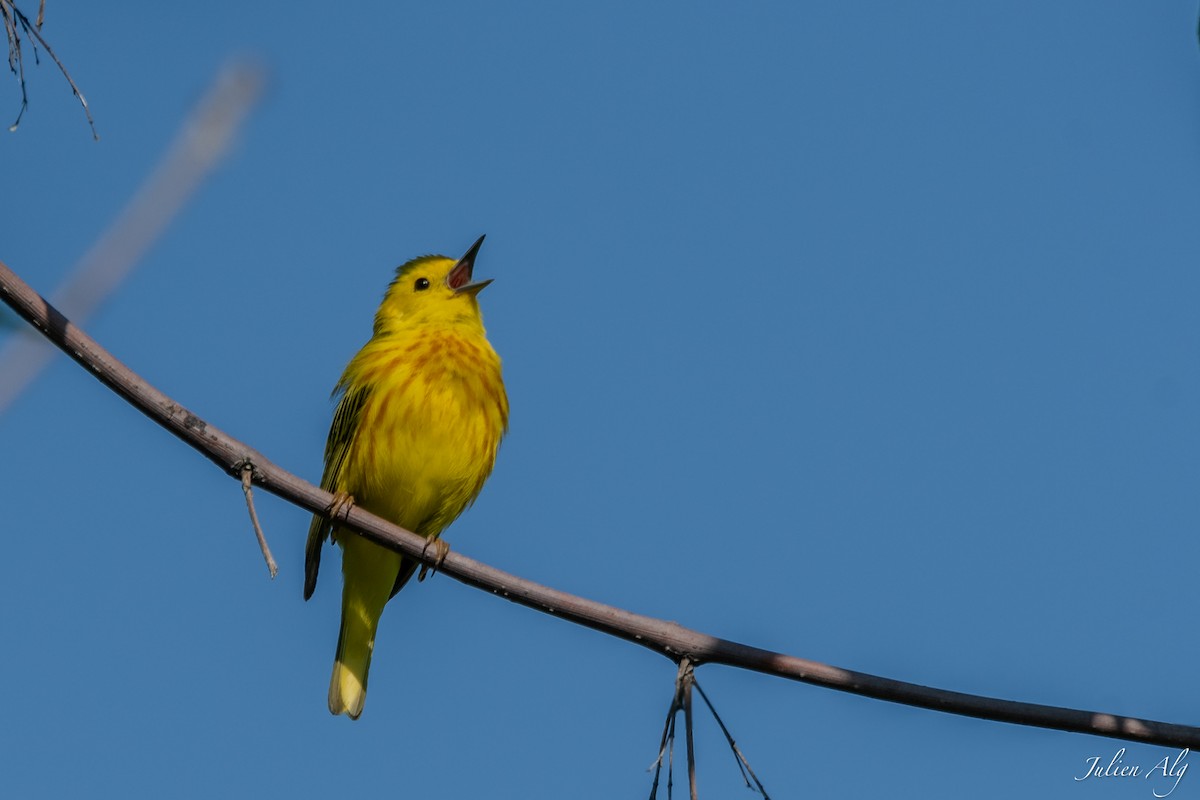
{"x":247,"y":477}
{"x":671,"y":761}
{"x":667,"y":638}
{"x":666,"y":746}
{"x":688,"y":680}
{"x":14,"y":18}
{"x":16,"y":60}
{"x":664,"y":742}
{"x":743,"y":764}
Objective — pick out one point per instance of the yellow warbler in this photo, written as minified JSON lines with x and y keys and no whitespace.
{"x":413,"y":439}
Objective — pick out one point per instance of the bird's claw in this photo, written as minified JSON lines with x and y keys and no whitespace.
{"x":440,"y":549}
{"x":341,"y":505}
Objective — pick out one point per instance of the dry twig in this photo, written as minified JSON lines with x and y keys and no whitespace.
{"x":247,"y":478}
{"x":743,"y":764}
{"x":680,"y":700}
{"x":15,"y":22}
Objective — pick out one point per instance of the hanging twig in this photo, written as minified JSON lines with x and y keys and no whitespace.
{"x":247,"y":477}
{"x":743,"y":764}
{"x":687,"y":730}
{"x":14,"y":22}
{"x":681,"y":700}
{"x":668,"y":638}
{"x":13,"y":25}
{"x":666,"y":746}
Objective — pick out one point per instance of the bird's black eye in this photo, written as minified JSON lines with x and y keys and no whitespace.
{"x":421,"y":285}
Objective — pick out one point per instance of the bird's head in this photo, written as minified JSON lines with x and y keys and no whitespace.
{"x":432,"y":290}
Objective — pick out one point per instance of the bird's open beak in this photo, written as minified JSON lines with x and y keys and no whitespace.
{"x":459,"y":278}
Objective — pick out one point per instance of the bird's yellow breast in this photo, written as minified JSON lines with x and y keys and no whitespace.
{"x":429,"y":426}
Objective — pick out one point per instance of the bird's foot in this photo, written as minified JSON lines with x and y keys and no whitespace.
{"x":341,"y":505}
{"x":440,"y":549}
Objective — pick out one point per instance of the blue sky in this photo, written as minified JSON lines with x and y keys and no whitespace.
{"x":861,"y":331}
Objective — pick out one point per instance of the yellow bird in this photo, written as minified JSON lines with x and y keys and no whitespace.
{"x":414,"y":437}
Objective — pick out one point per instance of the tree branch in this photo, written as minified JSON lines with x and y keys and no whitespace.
{"x":668,"y":638}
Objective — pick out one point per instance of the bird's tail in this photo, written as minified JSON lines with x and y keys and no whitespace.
{"x":348,"y":686}
{"x":369,"y":573}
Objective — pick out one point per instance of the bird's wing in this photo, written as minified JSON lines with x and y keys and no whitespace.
{"x":341,"y":436}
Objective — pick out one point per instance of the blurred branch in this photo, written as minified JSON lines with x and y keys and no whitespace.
{"x":15,"y":22}
{"x":668,"y":638}
{"x":199,"y":146}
